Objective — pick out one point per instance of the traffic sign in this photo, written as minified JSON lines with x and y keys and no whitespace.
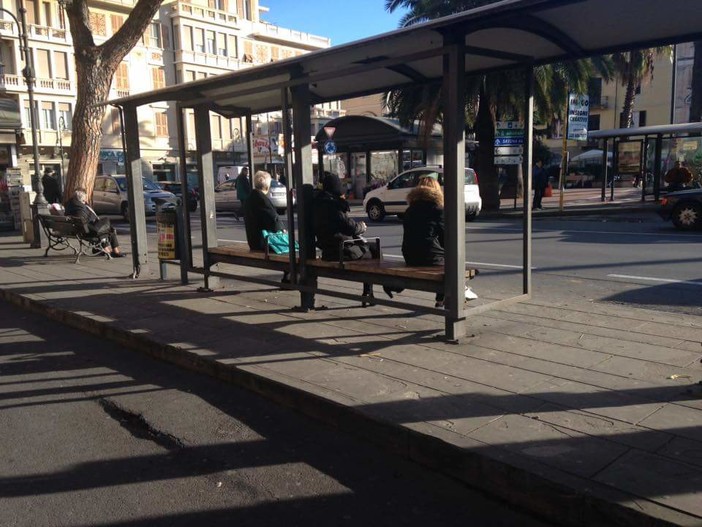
{"x":329,"y":130}
{"x":509,"y":160}
{"x":509,"y":150}
{"x":509,"y":141}
{"x":330,"y":147}
{"x":513,"y":132}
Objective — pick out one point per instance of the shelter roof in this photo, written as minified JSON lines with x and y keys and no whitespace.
{"x":665,"y":129}
{"x":504,"y":35}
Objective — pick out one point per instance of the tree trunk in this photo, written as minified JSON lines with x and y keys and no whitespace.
{"x":485,"y":160}
{"x":627,"y":116}
{"x":696,"y":101}
{"x":93,"y":89}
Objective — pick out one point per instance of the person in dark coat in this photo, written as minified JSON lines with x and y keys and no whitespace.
{"x":260,"y":215}
{"x":540,"y":182}
{"x":78,"y":207}
{"x":52,"y":194}
{"x":243,"y":188}
{"x":332,"y":224}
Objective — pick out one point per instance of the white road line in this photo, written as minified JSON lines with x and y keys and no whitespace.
{"x":652,"y":279}
{"x":483,"y":264}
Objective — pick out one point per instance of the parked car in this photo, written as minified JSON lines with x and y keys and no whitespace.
{"x":110,"y":196}
{"x":684,"y":208}
{"x":226,"y":199}
{"x":392,"y":198}
{"x":175,"y":188}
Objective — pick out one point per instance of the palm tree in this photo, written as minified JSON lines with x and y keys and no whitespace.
{"x":634,"y":68}
{"x":488,"y":97}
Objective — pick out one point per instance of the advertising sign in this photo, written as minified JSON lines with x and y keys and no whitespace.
{"x":578,"y":113}
{"x":629,"y":157}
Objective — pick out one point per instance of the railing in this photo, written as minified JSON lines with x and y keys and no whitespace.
{"x":9,"y":80}
{"x":293,"y":36}
{"x":600,"y":103}
{"x":46,"y":32}
{"x":205,"y":59}
{"x":204,"y":13}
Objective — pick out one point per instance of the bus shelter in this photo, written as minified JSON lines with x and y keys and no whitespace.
{"x":512,"y":34}
{"x":641,"y":156}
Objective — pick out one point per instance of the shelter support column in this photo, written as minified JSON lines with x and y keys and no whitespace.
{"x":206,"y":177}
{"x":287,"y":142}
{"x":303,"y":177}
{"x":250,"y":146}
{"x":186,"y":249}
{"x":657,"y":168}
{"x":454,"y":199}
{"x":605,"y":168}
{"x":135,"y":191}
{"x":528,"y":176}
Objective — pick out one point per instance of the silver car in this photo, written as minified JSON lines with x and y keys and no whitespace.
{"x":226,"y":199}
{"x":110,"y":196}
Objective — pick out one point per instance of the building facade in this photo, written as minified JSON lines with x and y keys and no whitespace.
{"x":186,"y":40}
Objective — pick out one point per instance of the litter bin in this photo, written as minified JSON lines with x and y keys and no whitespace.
{"x":167,"y":230}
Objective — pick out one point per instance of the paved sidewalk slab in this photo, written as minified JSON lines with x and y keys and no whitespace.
{"x":587,"y":413}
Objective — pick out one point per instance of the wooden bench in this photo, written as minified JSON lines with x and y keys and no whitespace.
{"x":393,"y":274}
{"x":61,"y":231}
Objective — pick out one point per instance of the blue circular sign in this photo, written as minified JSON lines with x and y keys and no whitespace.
{"x":330,"y":147}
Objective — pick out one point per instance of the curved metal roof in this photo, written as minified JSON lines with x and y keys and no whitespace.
{"x":504,"y":35}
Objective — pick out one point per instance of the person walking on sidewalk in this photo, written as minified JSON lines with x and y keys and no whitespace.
{"x":78,"y":207}
{"x":540,"y":181}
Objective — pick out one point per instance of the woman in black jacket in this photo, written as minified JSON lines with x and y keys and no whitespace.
{"x":332,"y":225}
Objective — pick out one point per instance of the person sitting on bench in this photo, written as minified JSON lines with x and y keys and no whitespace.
{"x":260,"y":215}
{"x":77,"y":207}
{"x":332,"y":224}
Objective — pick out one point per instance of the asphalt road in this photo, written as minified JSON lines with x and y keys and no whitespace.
{"x":632,"y":259}
{"x":95,"y":435}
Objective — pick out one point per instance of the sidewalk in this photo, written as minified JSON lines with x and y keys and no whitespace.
{"x":586,"y":413}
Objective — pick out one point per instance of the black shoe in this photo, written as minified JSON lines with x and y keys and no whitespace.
{"x":118,"y":255}
{"x":388,"y":290}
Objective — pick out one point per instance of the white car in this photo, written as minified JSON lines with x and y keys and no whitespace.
{"x":392,"y":198}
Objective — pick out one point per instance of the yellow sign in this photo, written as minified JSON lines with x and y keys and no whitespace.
{"x":166,"y":241}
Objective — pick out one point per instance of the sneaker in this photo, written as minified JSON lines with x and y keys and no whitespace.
{"x":469,"y":294}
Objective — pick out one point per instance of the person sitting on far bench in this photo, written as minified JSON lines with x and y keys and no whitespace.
{"x":77,"y":207}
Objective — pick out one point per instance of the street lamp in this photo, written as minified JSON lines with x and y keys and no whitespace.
{"x":28,"y":73}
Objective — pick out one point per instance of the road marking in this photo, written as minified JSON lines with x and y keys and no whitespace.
{"x":483,"y":264}
{"x":652,"y":279}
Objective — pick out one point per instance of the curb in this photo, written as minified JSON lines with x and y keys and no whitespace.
{"x":551,"y":494}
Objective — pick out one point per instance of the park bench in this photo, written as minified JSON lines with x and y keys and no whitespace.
{"x":394,"y":274}
{"x":67,"y":232}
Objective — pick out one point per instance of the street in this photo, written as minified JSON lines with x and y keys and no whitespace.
{"x":94,"y":434}
{"x":634,"y":259}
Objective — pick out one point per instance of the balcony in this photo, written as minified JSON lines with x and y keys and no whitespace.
{"x":280,"y":35}
{"x":215,"y":61}
{"x":186,"y":9}
{"x":12,"y":82}
{"x":599,"y":103}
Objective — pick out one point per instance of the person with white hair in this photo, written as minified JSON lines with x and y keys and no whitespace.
{"x":78,"y":207}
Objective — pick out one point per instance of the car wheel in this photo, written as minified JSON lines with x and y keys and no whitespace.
{"x":375,"y":210}
{"x":687,"y":216}
{"x":470,"y":216}
{"x":125,"y":211}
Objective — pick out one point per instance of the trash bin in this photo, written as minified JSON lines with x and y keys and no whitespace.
{"x":167,"y":230}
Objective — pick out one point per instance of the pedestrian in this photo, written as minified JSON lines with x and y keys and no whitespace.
{"x":333,"y":225}
{"x":52,"y":193}
{"x":540,"y":181}
{"x":78,"y":207}
{"x":260,"y":215}
{"x":678,"y":177}
{"x":243,"y":188}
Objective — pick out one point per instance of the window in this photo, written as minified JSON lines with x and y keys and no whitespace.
{"x":594,"y":90}
{"x":247,"y":10}
{"x":211,"y":42}
{"x":46,"y":6}
{"x":27,"y":115}
{"x":199,"y":40}
{"x":110,"y":185}
{"x":122,"y":77}
{"x":221,"y":44}
{"x":161,"y":124}
{"x":115,"y":127}
{"x":48,"y":120}
{"x":116,"y":21}
{"x":65,"y":113}
{"x":155,"y":35}
{"x":593,"y":122}
{"x":31,"y":15}
{"x":42,"y":64}
{"x":642,"y":118}
{"x":60,"y":65}
{"x":188,"y":38}
{"x":159,"y":78}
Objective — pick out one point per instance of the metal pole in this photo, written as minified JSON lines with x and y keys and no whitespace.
{"x":528,"y":140}
{"x":61,"y":128}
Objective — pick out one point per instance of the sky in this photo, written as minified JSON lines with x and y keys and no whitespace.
{"x":341,"y":20}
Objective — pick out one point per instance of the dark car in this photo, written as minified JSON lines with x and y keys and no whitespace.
{"x":175,"y":188}
{"x":684,"y":208}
